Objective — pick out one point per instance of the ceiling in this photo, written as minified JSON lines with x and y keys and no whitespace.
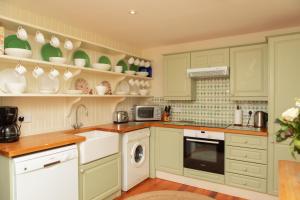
{"x":164,"y":22}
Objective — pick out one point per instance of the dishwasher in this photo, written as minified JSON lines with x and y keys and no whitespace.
{"x":47,"y":175}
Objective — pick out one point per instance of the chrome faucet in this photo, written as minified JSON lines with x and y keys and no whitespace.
{"x":77,"y":124}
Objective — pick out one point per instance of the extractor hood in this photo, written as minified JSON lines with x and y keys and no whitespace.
{"x":207,"y":72}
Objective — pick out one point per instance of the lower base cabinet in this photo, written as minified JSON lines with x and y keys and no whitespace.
{"x":101,"y":178}
{"x":206,"y":176}
{"x":247,"y":182}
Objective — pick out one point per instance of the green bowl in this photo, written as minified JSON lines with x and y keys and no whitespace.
{"x":12,"y":41}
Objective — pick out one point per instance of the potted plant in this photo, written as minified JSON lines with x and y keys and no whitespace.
{"x":289,"y":122}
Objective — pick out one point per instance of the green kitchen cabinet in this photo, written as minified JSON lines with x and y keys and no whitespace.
{"x":101,"y":178}
{"x":249,"y":72}
{"x":177,"y":84}
{"x":169,"y":150}
{"x":284,"y":66}
{"x":210,"y":58}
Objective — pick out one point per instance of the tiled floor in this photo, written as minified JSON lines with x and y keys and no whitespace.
{"x":159,"y":184}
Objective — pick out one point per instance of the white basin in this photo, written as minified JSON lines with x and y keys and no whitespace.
{"x":98,"y":144}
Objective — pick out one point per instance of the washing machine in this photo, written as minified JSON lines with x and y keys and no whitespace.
{"x":135,"y":157}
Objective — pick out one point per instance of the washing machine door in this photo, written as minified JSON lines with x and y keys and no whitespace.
{"x":138,"y":154}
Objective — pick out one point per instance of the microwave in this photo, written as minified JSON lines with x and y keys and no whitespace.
{"x":147,"y":113}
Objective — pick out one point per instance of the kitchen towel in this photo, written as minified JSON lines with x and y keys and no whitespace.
{"x":238,"y":117}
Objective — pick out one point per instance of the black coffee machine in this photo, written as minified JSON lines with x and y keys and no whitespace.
{"x":9,"y":127}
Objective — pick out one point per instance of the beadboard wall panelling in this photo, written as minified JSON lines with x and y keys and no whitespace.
{"x":11,"y":10}
{"x":49,"y":114}
{"x":212,"y":104}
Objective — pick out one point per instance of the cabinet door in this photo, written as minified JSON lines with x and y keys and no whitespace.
{"x":210,"y":58}
{"x":177,"y":84}
{"x":169,"y":150}
{"x":248,"y":72}
{"x":284,"y":62}
{"x":100,"y":178}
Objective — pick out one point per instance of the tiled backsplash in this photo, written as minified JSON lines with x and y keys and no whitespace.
{"x":212,"y":104}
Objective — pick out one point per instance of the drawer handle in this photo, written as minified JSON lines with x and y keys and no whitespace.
{"x":245,"y":183}
{"x":245,"y":170}
{"x":246,"y":142}
{"x":245,"y":155}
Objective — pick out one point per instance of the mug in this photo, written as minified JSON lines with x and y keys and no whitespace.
{"x":21,"y":33}
{"x":37,"y":72}
{"x":137,"y":62}
{"x":131,"y":61}
{"x":137,"y":82}
{"x":53,"y":74}
{"x":131,"y":82}
{"x":20,"y":69}
{"x":39,"y":37}
{"x":68,"y":75}
{"x":54,"y":41}
{"x":79,"y":62}
{"x":142,"y":63}
{"x":68,"y":45}
{"x":101,"y":89}
{"x":142,"y":83}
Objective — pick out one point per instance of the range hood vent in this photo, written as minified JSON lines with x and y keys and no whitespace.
{"x":207,"y":72}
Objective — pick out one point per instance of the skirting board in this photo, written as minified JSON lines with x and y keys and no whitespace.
{"x":251,"y":195}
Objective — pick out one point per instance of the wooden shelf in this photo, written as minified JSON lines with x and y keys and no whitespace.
{"x":13,"y":24}
{"x":41,"y":63}
{"x":72,"y":95}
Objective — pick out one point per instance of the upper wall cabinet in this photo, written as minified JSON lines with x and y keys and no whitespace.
{"x":249,"y":72}
{"x":177,"y":84}
{"x":210,"y":58}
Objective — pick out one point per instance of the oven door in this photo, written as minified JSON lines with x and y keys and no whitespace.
{"x":204,"y":154}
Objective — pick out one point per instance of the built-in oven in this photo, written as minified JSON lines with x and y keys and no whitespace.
{"x":204,"y":150}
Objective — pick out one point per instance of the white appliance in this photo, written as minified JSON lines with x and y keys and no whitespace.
{"x":47,"y":175}
{"x":206,"y":72}
{"x":135,"y":158}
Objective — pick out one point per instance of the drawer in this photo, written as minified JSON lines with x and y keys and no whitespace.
{"x":247,"y":182}
{"x":246,"y":154}
{"x":202,"y":175}
{"x":250,"y":141}
{"x":246,"y":168}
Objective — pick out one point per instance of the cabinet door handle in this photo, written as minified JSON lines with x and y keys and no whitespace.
{"x":82,"y":171}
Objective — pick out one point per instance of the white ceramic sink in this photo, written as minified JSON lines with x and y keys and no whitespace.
{"x":98,"y":144}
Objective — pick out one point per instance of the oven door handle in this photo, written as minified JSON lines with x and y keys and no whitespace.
{"x":202,"y":141}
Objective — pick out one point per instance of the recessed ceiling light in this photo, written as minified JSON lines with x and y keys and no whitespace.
{"x":132,"y":12}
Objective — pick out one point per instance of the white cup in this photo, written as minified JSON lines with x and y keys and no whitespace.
{"x":142,"y":83}
{"x":142,"y":63}
{"x":118,"y":69}
{"x":147,"y":84}
{"x":21,"y":33}
{"x":137,"y":82}
{"x":131,"y":60}
{"x":68,"y":75}
{"x":101,"y":89}
{"x":20,"y":69}
{"x":37,"y":72}
{"x":137,"y":62}
{"x":131,"y":82}
{"x":79,"y":62}
{"x":39,"y":37}
{"x":68,"y":45}
{"x":54,"y":41}
{"x":53,"y":74}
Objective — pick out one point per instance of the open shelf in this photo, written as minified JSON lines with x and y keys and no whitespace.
{"x":41,"y":63}
{"x":72,"y":95}
{"x":13,"y":25}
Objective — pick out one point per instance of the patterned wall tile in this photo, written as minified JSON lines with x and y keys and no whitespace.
{"x":212,"y":104}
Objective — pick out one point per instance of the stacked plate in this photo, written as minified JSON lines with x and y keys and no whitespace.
{"x":16,"y":47}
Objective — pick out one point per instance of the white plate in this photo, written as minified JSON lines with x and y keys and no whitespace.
{"x":144,"y":74}
{"x":48,"y":85}
{"x":9,"y":76}
{"x":101,"y":66}
{"x":58,"y":60}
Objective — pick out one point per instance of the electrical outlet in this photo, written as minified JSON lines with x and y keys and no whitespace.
{"x":246,"y":112}
{"x":27,"y":118}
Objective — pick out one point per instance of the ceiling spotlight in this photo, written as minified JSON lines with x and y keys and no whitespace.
{"x":132,"y":12}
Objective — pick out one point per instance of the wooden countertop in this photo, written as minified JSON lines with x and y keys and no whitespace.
{"x":34,"y":143}
{"x":123,"y":128}
{"x":30,"y":144}
{"x":289,"y":180}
